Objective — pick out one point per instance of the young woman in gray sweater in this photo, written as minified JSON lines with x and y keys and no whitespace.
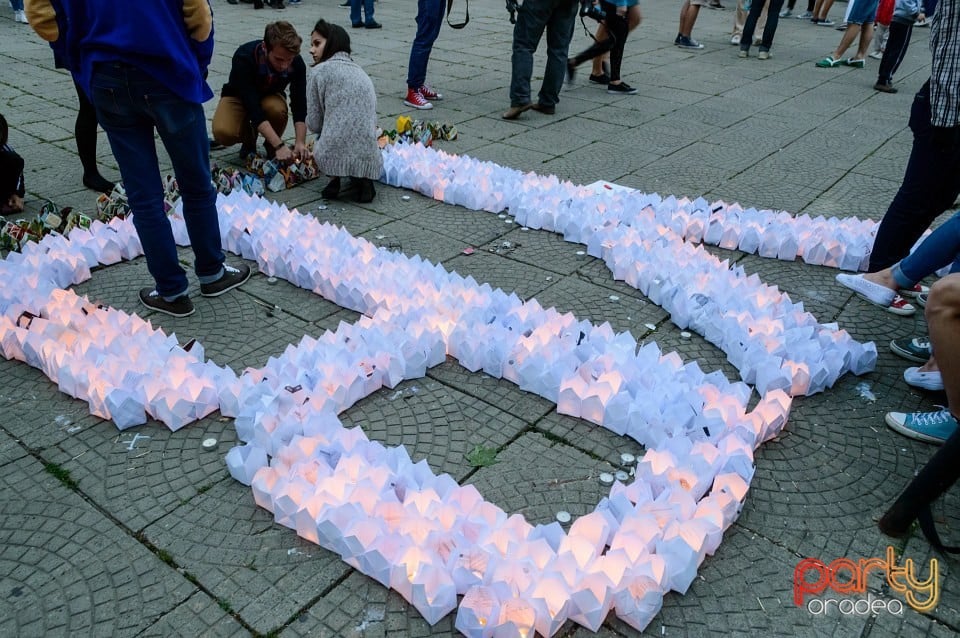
{"x":342,"y":111}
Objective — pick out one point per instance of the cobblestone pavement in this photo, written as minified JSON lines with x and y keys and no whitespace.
{"x":142,"y":532}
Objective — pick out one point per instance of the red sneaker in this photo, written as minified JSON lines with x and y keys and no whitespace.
{"x":416,"y":100}
{"x":429,"y":93}
{"x":914,"y":292}
{"x":899,"y":306}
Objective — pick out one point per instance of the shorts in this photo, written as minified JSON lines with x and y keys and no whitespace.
{"x":705,"y":3}
{"x":862,"y":11}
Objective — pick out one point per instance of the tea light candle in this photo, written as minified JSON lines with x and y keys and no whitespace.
{"x":622,"y":476}
{"x":627,"y":459}
{"x":563,"y":517}
{"x":685,"y":335}
{"x":209,"y":444}
{"x":271,"y":280}
{"x":606,"y":478}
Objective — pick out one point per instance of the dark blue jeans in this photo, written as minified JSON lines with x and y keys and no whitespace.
{"x":130,"y":106}
{"x":429,"y":21}
{"x":558,"y":18}
{"x":931,"y":184}
{"x":355,"y":11}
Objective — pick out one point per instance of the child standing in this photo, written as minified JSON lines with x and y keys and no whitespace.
{"x":905,"y":13}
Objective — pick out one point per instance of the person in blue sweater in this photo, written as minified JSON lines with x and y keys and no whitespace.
{"x":142,"y":85}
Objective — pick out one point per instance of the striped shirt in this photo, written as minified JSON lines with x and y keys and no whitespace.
{"x":945,"y":72}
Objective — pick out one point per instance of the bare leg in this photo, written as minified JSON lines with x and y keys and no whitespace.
{"x":930,"y":365}
{"x":943,"y":319}
{"x":688,"y":16}
{"x":866,"y":37}
{"x":849,"y":36}
{"x":600,"y":35}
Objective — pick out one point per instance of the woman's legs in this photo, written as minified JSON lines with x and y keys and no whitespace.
{"x":85,"y":131}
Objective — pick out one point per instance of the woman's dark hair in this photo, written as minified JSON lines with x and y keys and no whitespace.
{"x":336,"y":37}
{"x":4,"y":131}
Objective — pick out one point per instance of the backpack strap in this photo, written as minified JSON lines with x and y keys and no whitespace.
{"x":466,"y":17}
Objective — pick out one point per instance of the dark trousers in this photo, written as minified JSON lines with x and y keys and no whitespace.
{"x":617,"y":30}
{"x":769,"y":30}
{"x":558,"y":18}
{"x":930,"y":185}
{"x":85,"y":130}
{"x":897,"y":43}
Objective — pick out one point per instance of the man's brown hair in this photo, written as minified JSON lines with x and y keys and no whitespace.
{"x":282,"y":34}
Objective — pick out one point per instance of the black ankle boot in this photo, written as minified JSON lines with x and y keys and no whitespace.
{"x":97,"y":182}
{"x":365,"y":190}
{"x":332,"y":189}
{"x":934,"y":479}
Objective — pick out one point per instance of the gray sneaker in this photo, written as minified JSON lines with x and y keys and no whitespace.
{"x":232,"y":278}
{"x":916,"y":349}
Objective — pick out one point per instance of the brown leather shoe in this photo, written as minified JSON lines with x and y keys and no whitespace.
{"x":514,"y":112}
{"x":884,"y":88}
{"x":543,"y":108}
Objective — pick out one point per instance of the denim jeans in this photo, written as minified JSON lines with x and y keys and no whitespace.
{"x":130,"y":106}
{"x":429,"y":21}
{"x":16,"y":5}
{"x":355,"y":11}
{"x":558,"y":18}
{"x":931,"y":184}
{"x":941,"y":248}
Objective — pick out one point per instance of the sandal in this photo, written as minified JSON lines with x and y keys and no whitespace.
{"x":829,"y":63}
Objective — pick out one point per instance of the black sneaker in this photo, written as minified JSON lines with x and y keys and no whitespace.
{"x":601,"y":78}
{"x":232,"y":277}
{"x":179,"y":307}
{"x":623,"y":89}
{"x":916,"y":349}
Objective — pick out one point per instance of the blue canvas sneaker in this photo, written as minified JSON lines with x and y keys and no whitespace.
{"x":930,"y":427}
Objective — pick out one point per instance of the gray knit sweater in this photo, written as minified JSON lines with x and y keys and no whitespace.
{"x":342,"y":110}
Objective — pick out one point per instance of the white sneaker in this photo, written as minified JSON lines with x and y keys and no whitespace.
{"x":874,"y":293}
{"x":21,"y":17}
{"x":735,"y":39}
{"x":876,"y":55}
{"x":925,"y":380}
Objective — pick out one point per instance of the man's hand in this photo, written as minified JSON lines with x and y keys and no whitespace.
{"x":284,"y":154}
{"x":14,"y":204}
{"x":300,"y":151}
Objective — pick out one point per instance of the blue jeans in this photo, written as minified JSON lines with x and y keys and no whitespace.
{"x":558,"y":18}
{"x":355,"y":11}
{"x":942,"y":247}
{"x":130,"y":105}
{"x":931,"y":184}
{"x":429,"y":21}
{"x":16,"y":5}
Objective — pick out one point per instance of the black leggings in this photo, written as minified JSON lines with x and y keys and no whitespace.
{"x":617,"y":30}
{"x":85,"y":130}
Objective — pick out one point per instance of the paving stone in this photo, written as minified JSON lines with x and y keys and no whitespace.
{"x":65,"y":569}
{"x":199,"y":615}
{"x":498,"y":392}
{"x":139,"y":475}
{"x":413,"y":240}
{"x":539,"y":248}
{"x":360,"y":607}
{"x":470,"y":227}
{"x":260,"y":570}
{"x":434,"y":422}
{"x":303,"y":304}
{"x":511,"y":276}
{"x":537,"y":477}
{"x":10,"y":449}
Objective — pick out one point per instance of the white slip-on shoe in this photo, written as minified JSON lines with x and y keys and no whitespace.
{"x":874,"y":293}
{"x":925,"y":380}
